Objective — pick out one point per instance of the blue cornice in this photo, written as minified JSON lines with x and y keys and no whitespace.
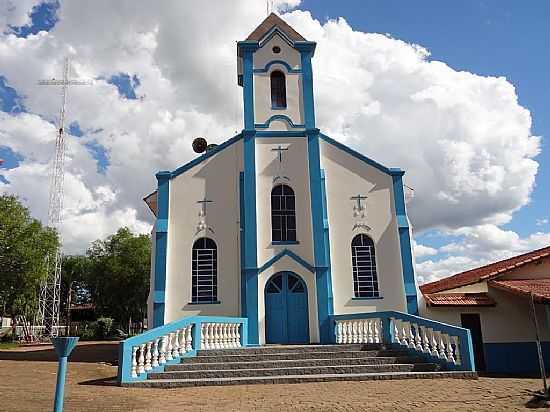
{"x":281,"y":62}
{"x":278,"y":117}
{"x":246,"y":46}
{"x":207,"y":155}
{"x":305,"y":46}
{"x":290,"y":254}
{"x":363,"y":158}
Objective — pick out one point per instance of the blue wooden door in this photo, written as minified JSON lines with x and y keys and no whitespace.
{"x":286,"y":311}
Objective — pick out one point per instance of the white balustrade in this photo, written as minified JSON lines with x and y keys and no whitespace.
{"x":220,"y":335}
{"x":406,"y":333}
{"x":148,"y":366}
{"x":155,"y":361}
{"x":141,"y":359}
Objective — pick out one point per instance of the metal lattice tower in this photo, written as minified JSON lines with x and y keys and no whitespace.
{"x":50,"y":290}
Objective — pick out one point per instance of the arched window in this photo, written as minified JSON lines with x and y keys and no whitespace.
{"x":278,"y":90}
{"x":283,"y":214}
{"x":365,"y":279}
{"x":204,"y":287}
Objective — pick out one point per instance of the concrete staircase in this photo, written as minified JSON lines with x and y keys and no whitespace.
{"x":297,"y":364}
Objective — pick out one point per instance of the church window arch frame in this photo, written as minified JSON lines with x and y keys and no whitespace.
{"x":366,"y":283}
{"x":283,"y":214}
{"x":277,"y":81}
{"x":204,"y":270}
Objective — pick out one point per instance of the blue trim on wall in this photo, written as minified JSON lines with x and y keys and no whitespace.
{"x":161,"y":245}
{"x":207,"y":155}
{"x":321,"y":249}
{"x":278,"y":117}
{"x":250,"y":266}
{"x":359,"y":156}
{"x":281,"y":62}
{"x":291,"y":255}
{"x":246,"y":50}
{"x":515,"y":358}
{"x":241,"y":239}
{"x":404,"y":242}
{"x":280,"y":133}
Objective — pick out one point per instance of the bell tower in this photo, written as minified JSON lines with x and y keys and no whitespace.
{"x":275,"y":72}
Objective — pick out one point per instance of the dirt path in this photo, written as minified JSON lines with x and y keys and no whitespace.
{"x":27,"y":383}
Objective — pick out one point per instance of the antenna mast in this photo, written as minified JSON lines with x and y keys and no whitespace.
{"x":50,"y":290}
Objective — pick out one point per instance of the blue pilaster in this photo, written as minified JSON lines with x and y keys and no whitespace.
{"x":249,"y":267}
{"x":307,"y":49}
{"x":404,"y":241}
{"x":246,"y":51}
{"x":321,"y":244}
{"x":161,"y":244}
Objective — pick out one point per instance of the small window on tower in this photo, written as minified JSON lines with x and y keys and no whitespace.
{"x":276,"y":49}
{"x":278,"y":90}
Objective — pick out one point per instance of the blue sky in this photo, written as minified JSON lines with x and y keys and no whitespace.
{"x":489,"y":38}
{"x":493,"y":38}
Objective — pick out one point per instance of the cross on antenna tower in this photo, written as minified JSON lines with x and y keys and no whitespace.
{"x":269,"y":6}
{"x":50,"y":290}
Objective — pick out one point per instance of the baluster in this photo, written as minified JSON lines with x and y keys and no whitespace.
{"x":211,"y":336}
{"x":370,"y":338}
{"x":155,"y":358}
{"x":175,"y":345}
{"x":396,"y":328}
{"x":458,"y":358}
{"x":181,"y":340}
{"x":162,"y":357}
{"x":404,"y":333}
{"x":226,"y":336}
{"x":418,"y":337}
{"x":338,"y":332}
{"x":442,"y":349}
{"x":134,"y":362}
{"x":435,"y":350}
{"x":141,"y":359}
{"x":449,"y":347}
{"x":238,"y":334}
{"x":411,"y":336}
{"x":203,"y":336}
{"x":346,"y":329}
{"x":377,"y":329}
{"x":218,"y":335}
{"x":188,"y":338}
{"x":169,"y":356}
{"x":353,"y":332}
{"x":425,"y":340}
{"x":221,"y":335}
{"x":148,"y":356}
{"x":233,"y":330}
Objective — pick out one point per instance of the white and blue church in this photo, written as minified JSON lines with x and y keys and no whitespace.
{"x":280,"y":224}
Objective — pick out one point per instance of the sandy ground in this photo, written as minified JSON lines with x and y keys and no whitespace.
{"x":27,"y":383}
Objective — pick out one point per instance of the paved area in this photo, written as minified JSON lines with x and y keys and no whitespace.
{"x":28,"y":381}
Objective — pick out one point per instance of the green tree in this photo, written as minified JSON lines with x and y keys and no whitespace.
{"x":118,"y":279}
{"x":24,"y":246}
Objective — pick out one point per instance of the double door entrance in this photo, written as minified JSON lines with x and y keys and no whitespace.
{"x":286,"y":309}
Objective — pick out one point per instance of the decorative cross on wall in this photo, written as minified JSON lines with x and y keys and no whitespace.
{"x":359,"y":210}
{"x":280,"y":151}
{"x":202,"y":215}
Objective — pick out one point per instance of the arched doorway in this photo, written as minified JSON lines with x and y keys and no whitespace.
{"x":286,"y":309}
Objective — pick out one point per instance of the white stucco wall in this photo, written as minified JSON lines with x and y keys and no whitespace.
{"x":509,"y":321}
{"x":295,"y":167}
{"x":262,"y":84}
{"x":348,"y":176}
{"x":218,"y":179}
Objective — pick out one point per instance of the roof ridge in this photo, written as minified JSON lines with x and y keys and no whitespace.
{"x":268,"y":23}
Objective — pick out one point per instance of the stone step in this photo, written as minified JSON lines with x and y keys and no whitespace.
{"x":205,"y":358}
{"x":295,"y":371}
{"x":291,"y":349}
{"x":263,"y":364}
{"x":175,"y":383}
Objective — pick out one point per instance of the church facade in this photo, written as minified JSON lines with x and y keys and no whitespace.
{"x":280,"y":224}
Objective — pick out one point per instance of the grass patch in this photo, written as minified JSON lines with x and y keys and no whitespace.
{"x":8,"y":345}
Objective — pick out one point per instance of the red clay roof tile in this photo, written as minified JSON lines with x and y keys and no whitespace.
{"x":486,"y":272}
{"x":524,"y":287}
{"x":459,"y":299}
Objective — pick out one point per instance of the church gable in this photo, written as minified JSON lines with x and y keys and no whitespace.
{"x":269,"y":25}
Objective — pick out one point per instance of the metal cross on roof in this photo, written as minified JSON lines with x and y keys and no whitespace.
{"x":280,"y":151}
{"x":358,"y":198}
{"x":203,"y":203}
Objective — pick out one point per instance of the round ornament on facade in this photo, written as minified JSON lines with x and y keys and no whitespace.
{"x":276,"y":49}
